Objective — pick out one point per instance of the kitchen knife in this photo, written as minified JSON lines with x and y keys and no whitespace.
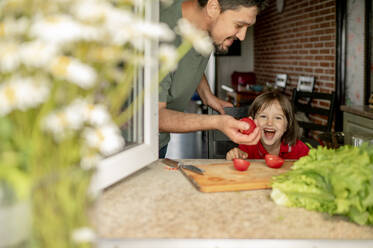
{"x":178,"y":165}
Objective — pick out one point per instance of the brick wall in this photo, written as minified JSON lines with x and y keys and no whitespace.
{"x":300,"y":41}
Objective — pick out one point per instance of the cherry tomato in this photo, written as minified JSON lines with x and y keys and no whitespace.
{"x":251,"y":123}
{"x":274,"y":161}
{"x":241,"y":164}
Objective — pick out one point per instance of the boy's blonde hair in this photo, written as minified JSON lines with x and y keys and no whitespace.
{"x":266,"y":99}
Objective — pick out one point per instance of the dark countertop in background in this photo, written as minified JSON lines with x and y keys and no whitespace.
{"x":361,"y":110}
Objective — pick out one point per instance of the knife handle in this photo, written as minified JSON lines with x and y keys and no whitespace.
{"x":171,"y":163}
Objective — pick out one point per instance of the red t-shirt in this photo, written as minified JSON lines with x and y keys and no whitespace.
{"x":286,"y":152}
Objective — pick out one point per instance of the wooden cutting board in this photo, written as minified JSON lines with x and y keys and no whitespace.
{"x":220,"y":177}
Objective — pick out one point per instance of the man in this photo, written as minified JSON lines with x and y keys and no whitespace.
{"x":225,"y":21}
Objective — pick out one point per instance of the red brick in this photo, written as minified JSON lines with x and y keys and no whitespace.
{"x":299,"y":41}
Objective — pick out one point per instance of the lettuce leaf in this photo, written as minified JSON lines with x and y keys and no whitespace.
{"x":338,"y":182}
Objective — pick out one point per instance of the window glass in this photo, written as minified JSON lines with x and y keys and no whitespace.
{"x":133,"y":129}
{"x":139,"y":110}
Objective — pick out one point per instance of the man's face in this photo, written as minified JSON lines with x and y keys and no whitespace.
{"x":231,"y":25}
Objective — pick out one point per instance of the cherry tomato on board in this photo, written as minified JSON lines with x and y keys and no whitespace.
{"x":274,"y":161}
{"x":251,"y":123}
{"x":241,"y":164}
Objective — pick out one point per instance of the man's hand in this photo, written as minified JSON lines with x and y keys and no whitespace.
{"x":218,"y":104}
{"x":209,"y":98}
{"x":178,"y":122}
{"x":231,"y":127}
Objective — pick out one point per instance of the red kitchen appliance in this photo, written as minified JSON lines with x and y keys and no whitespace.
{"x":242,"y":79}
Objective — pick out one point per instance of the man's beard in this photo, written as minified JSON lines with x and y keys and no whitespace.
{"x":220,"y":50}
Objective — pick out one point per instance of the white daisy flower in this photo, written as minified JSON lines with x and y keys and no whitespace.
{"x":13,"y":27}
{"x":107,"y":139}
{"x":156,"y":31}
{"x":203,"y":45}
{"x":116,"y":18}
{"x":59,"y":29}
{"x":90,"y":161}
{"x":55,"y":123}
{"x":119,"y":24}
{"x":91,"y":10}
{"x":187,"y":30}
{"x":73,"y":70}
{"x":37,"y":54}
{"x":9,"y":56}
{"x":138,"y":30}
{"x":81,"y":74}
{"x":31,"y":92}
{"x":84,"y":235}
{"x":22,"y":93}
{"x":96,"y":115}
{"x":199,"y":38}
{"x":74,"y":116}
{"x":168,"y":57}
{"x":120,"y":37}
{"x":138,"y":43}
{"x":90,"y":33}
{"x":62,"y":121}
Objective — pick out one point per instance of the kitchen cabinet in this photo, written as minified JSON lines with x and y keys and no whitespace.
{"x":158,"y":207}
{"x":357,"y":119}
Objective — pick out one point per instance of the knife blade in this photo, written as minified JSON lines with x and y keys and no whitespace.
{"x":178,"y":165}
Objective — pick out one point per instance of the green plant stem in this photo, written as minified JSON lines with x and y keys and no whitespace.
{"x":184,"y":47}
{"x":116,"y":97}
{"x":128,"y":113}
{"x":37,"y":140}
{"x":60,"y":205}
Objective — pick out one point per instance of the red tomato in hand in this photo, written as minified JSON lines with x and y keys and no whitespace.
{"x":274,"y":161}
{"x":251,"y":128}
{"x":241,"y":164}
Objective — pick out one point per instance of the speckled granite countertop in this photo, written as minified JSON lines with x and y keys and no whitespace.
{"x":361,"y":110}
{"x":159,"y":203}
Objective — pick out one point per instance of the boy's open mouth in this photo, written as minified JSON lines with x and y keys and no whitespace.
{"x":269,"y":133}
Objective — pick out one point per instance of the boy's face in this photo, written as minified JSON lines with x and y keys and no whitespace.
{"x":231,"y":25}
{"x":272,"y":122}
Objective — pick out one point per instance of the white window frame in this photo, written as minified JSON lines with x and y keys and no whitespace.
{"x":118,"y":166}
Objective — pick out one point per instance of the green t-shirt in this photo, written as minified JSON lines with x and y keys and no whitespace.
{"x":177,"y":88}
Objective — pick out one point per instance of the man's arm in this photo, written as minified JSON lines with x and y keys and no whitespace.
{"x":209,"y":98}
{"x":178,"y":122}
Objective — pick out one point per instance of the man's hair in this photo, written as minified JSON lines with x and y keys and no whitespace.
{"x":235,"y":4}
{"x":265,"y":100}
